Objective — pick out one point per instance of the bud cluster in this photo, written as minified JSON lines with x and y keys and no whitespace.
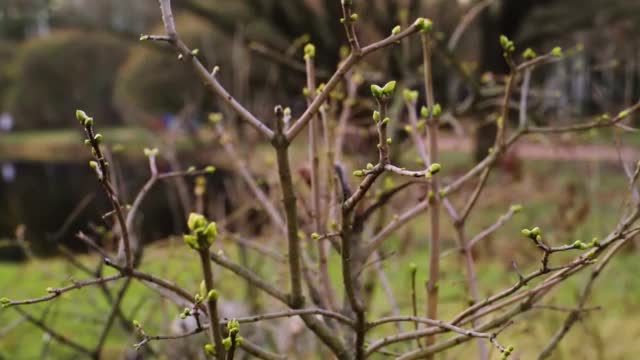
{"x":202,"y":232}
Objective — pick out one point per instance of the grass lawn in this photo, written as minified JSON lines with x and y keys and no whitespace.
{"x":608,"y":333}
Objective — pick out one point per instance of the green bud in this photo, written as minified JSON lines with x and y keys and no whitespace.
{"x":410,"y":96}
{"x":50,"y":290}
{"x":624,"y":114}
{"x":354,"y":17}
{"x":226,"y":342}
{"x":358,"y":173}
{"x":376,"y":91}
{"x":203,"y":288}
{"x":389,"y":88}
{"x":98,"y":138}
{"x":309,"y":51}
{"x":396,"y":30}
{"x":144,"y":37}
{"x":435,"y":168}
{"x":186,"y":312}
{"x":526,"y":232}
{"x":437,"y":110}
{"x":94,"y":165}
{"x":580,"y":245}
{"x":536,"y":231}
{"x":211,"y":232}
{"x":538,"y":238}
{"x":87,"y":142}
{"x":210,"y":350}
{"x":386,"y":121}
{"x":191,"y":169}
{"x":507,"y":45}
{"x":213,"y":295}
{"x":413,"y":267}
{"x":210,"y":169}
{"x":192,"y":241}
{"x":376,"y":116}
{"x":305,"y":92}
{"x":215,"y":118}
{"x":136,"y":323}
{"x":83,"y":117}
{"x":408,"y":129}
{"x":180,"y":57}
{"x":424,"y":25}
{"x":424,"y":112}
{"x":557,"y":51}
{"x":4,"y":302}
{"x":529,"y":54}
{"x":150,"y":152}
{"x":389,"y":141}
{"x":369,"y":166}
{"x":516,"y":208}
{"x":196,"y":221}
{"x":233,"y":325}
{"x":195,"y":52}
{"x":315,"y":236}
{"x":595,"y":242}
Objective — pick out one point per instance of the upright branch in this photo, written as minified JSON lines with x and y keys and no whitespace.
{"x":349,"y":18}
{"x":434,"y":213}
{"x":314,"y":161}
{"x":281,"y":145}
{"x":202,"y":235}
{"x":101,"y":168}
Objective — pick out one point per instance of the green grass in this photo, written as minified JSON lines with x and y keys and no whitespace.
{"x":610,"y":333}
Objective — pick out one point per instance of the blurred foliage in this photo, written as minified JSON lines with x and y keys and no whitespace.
{"x":7,"y":52}
{"x":154,"y":81}
{"x":63,"y":72}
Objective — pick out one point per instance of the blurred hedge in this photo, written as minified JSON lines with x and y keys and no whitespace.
{"x":7,"y":52}
{"x":153,"y":80}
{"x":52,"y":76}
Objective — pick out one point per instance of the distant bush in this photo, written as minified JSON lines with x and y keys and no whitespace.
{"x":64,"y":71}
{"x":153,"y":81}
{"x":7,"y":52}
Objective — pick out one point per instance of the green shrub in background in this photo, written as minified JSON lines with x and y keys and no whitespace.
{"x":66,"y":70}
{"x":152,"y":80}
{"x":7,"y":52}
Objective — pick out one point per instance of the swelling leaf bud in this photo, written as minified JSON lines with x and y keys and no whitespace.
{"x":529,"y":54}
{"x":210,"y":350}
{"x":389,"y":88}
{"x":83,"y":117}
{"x":309,"y":51}
{"x":196,"y":221}
{"x":376,"y":91}
{"x":424,"y":25}
{"x":435,"y":168}
{"x":376,"y":116}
